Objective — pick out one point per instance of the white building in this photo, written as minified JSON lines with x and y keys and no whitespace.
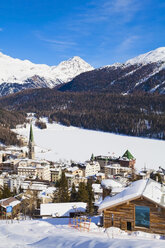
{"x":90,"y":168}
{"x":114,"y":169}
{"x":62,"y":209}
{"x":34,"y":169}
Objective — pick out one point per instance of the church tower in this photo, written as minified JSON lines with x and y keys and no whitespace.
{"x":31,"y":154}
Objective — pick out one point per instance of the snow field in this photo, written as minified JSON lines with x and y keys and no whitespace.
{"x":56,"y":233}
{"x":59,"y":142}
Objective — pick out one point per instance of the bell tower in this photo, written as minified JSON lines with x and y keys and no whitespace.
{"x":31,"y":153}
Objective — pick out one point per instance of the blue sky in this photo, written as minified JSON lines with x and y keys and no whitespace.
{"x":99,"y":31}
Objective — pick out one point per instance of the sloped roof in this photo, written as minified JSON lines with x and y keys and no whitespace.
{"x":62,"y":209}
{"x":128,"y":155}
{"x":11,"y":201}
{"x":147,"y":188}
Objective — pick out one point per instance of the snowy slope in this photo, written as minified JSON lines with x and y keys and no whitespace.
{"x":16,"y":71}
{"x":59,"y":142}
{"x":150,"y":57}
{"x":53,"y":233}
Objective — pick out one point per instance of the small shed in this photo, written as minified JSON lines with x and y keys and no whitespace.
{"x":67,"y":209}
{"x":139,"y":207}
{"x":12,"y":203}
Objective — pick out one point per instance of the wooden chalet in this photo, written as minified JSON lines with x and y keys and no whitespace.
{"x":139,"y":207}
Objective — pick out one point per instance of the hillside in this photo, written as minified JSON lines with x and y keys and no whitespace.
{"x":9,"y":120}
{"x":144,"y":73}
{"x":135,"y":115}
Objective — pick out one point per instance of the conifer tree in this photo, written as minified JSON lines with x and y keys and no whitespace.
{"x":63,"y":189}
{"x":73,"y":196}
{"x":6,"y":192}
{"x":82,"y":194}
{"x":90,"y":205}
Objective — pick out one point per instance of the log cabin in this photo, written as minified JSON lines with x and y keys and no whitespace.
{"x":139,"y":207}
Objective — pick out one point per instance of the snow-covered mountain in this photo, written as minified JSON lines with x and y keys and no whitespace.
{"x":145,"y":73}
{"x":157,"y":55}
{"x":16,"y":74}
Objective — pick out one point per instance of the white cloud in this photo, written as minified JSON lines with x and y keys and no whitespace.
{"x":128,"y":42}
{"x":61,"y":45}
{"x":59,"y":42}
{"x":105,"y":9}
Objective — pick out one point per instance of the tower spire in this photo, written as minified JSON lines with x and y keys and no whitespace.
{"x":31,"y":137}
{"x":31,"y":154}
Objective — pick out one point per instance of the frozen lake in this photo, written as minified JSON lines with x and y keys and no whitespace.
{"x":59,"y":142}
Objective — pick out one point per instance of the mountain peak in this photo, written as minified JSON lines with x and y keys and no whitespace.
{"x":14,"y":70}
{"x":156,"y":55}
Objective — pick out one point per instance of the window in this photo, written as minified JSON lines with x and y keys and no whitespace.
{"x":142,"y":216}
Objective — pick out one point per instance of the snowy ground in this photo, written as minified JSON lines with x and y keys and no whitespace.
{"x":55,"y":233}
{"x":59,"y":142}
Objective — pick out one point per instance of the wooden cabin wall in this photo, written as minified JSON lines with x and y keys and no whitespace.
{"x":126,"y":213}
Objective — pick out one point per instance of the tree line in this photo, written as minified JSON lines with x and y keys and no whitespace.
{"x":139,"y":114}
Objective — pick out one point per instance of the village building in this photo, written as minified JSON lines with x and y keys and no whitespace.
{"x":35,"y":185}
{"x":75,"y":171}
{"x":116,"y":169}
{"x":1,"y":156}
{"x":70,"y":178}
{"x":7,"y":166}
{"x":13,"y":181}
{"x":112,"y":187}
{"x":90,"y":168}
{"x":144,"y":173}
{"x":47,"y":195}
{"x":127,"y":160}
{"x":13,"y":204}
{"x":100,"y":176}
{"x":139,"y":207}
{"x":78,"y":180}
{"x":104,"y":160}
{"x":161,"y":173}
{"x":55,"y":174}
{"x":34,"y":169}
{"x":98,"y":191}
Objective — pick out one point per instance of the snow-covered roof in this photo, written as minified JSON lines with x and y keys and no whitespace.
{"x":97,"y":188}
{"x":72,"y":169}
{"x":62,"y":209}
{"x":110,"y":183}
{"x":117,"y":190}
{"x":147,"y":188}
{"x":11,"y":201}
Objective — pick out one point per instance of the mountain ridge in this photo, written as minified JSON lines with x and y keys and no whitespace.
{"x":16,"y":74}
{"x":145,"y":73}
